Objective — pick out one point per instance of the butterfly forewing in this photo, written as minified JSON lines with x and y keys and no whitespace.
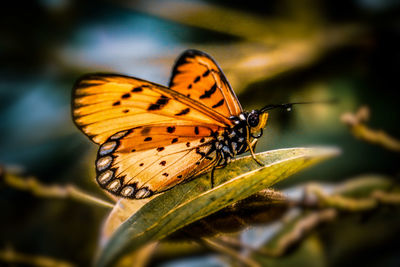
{"x":106,"y":104}
{"x":197,"y":75}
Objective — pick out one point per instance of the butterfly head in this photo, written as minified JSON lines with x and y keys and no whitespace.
{"x":257,"y":121}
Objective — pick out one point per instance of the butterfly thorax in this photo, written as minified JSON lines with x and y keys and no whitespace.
{"x":233,"y":140}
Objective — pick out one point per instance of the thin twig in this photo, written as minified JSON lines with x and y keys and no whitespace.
{"x":340,"y":202}
{"x":10,"y":256}
{"x":387,"y":198}
{"x":30,"y":184}
{"x":360,"y":130}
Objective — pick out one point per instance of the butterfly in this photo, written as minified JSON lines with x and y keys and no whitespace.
{"x":154,"y":137}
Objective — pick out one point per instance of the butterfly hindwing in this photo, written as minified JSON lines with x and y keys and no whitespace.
{"x":104,"y":104}
{"x":138,"y":162}
{"x":197,"y":75}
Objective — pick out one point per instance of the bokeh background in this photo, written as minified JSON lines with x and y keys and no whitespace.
{"x":271,"y":52}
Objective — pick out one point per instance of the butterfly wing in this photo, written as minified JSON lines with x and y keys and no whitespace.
{"x":104,"y":104}
{"x":153,"y":137}
{"x":144,"y":160}
{"x":197,"y":76}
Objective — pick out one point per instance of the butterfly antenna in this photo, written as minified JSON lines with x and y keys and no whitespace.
{"x":289,"y":106}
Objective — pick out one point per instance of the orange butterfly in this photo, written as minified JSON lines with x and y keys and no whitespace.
{"x":153,"y":137}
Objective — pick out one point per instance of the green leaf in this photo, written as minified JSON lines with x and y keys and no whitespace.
{"x":196,"y":199}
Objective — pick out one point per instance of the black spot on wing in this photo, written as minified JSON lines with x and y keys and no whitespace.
{"x":145,"y":130}
{"x":197,"y":79}
{"x":125,"y":111}
{"x":208,"y":93}
{"x":220,"y":103}
{"x":137,"y":89}
{"x":148,"y":139}
{"x":189,"y":86}
{"x":183,"y":112}
{"x":154,"y":107}
{"x":161,"y":102}
{"x":125,"y":96}
{"x":200,"y":153}
{"x":162,"y":163}
{"x":205,"y":74}
{"x":159,"y":149}
{"x":196,"y":130}
{"x":171,"y":129}
{"x":174,"y":140}
{"x":117,"y":103}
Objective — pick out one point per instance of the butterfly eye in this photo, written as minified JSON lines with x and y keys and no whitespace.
{"x":253,"y":119}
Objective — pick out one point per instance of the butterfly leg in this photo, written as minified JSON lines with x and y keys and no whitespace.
{"x":212,"y":176}
{"x":252,"y":146}
{"x":217,"y":165}
{"x":212,"y":172}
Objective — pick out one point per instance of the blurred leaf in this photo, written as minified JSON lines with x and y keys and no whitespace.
{"x":324,"y":203}
{"x":194,"y":200}
{"x":261,"y":208}
{"x":364,"y":185}
{"x":269,"y":46}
